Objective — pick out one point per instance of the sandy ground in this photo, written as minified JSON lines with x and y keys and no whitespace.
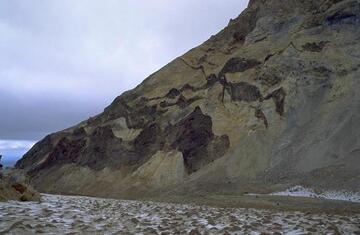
{"x":75,"y":214}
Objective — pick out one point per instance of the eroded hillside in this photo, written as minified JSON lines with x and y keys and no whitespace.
{"x":270,"y":101}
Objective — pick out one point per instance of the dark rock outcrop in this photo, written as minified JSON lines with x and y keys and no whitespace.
{"x":243,"y":91}
{"x":236,"y":64}
{"x":279,"y":99}
{"x":193,"y":136}
{"x":315,"y":47}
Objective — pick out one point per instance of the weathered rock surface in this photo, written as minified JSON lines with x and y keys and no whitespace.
{"x":271,"y":100}
{"x":14,"y":185}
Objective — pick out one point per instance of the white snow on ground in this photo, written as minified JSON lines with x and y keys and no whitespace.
{"x":57,"y":214}
{"x":300,"y":191}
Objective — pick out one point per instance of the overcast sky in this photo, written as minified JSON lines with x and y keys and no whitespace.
{"x":64,"y":61}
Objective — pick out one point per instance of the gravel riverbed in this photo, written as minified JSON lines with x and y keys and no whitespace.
{"x":57,"y":214}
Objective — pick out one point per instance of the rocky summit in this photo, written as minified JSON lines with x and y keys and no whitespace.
{"x":269,"y":102}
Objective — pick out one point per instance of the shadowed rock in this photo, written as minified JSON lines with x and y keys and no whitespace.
{"x":103,"y":148}
{"x":149,"y":140}
{"x":237,"y":64}
{"x":137,"y":116}
{"x":66,"y":151}
{"x":314,"y":47}
{"x":342,"y":17}
{"x":244,"y":25}
{"x":78,"y":132}
{"x":38,"y":151}
{"x":173,"y":93}
{"x":279,"y":99}
{"x":211,"y":80}
{"x":182,"y":102}
{"x":243,"y":91}
{"x":193,"y":136}
{"x":260,"y":114}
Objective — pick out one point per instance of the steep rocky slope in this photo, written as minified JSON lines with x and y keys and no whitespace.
{"x":270,"y":101}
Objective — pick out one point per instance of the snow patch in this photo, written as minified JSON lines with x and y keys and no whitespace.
{"x":300,"y":191}
{"x":57,"y":214}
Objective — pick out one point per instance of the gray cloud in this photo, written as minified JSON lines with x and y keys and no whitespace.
{"x":63,"y":61}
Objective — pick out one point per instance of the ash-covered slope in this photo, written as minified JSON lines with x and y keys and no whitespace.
{"x":270,"y":101}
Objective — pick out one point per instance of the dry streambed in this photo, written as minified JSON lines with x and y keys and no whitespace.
{"x":70,"y":214}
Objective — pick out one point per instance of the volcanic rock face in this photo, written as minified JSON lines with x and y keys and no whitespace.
{"x":270,"y":100}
